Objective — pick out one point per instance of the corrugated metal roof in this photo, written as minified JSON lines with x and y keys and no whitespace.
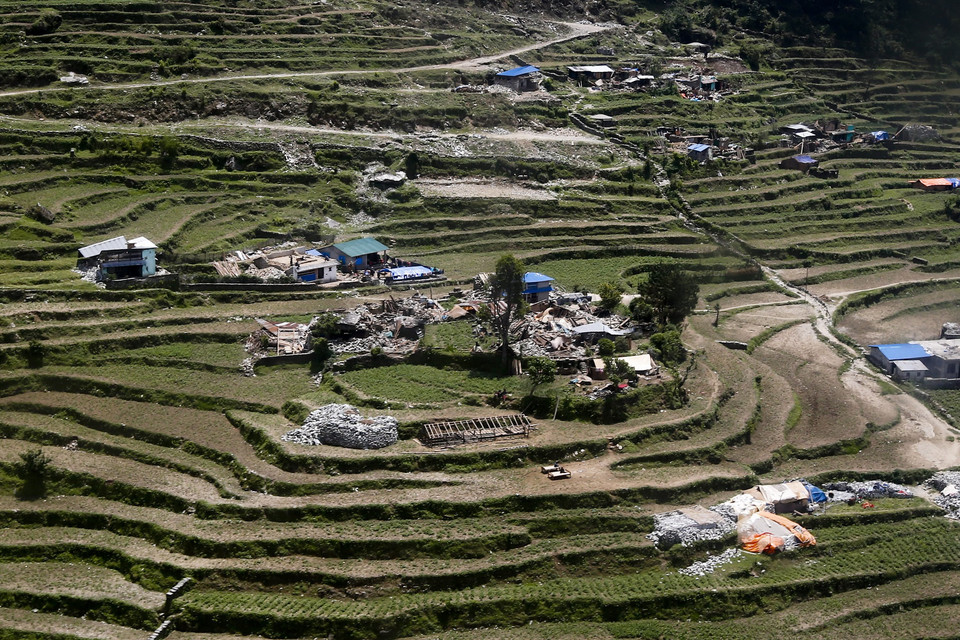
{"x":360,"y":247}
{"x":935,"y":182}
{"x":910,"y":365}
{"x":805,"y":159}
{"x":140,"y":243}
{"x":532,"y":276}
{"x":519,"y":71}
{"x":586,"y":68}
{"x":902,"y":351}
{"x":698,"y":147}
{"x":113,"y":244}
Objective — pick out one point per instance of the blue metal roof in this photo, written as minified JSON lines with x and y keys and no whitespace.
{"x":902,"y":351}
{"x":519,"y":71}
{"x":532,"y":276}
{"x":805,"y":159}
{"x":360,"y":247}
{"x":698,"y":147}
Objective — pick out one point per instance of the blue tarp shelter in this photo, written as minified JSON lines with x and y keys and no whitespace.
{"x":816,"y":493}
{"x":955,"y":182}
{"x":408,"y":273}
{"x":880,"y":135}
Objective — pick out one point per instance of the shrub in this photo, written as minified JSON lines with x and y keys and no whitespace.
{"x":32,"y":470}
{"x":48,"y":22}
{"x":606,"y":347}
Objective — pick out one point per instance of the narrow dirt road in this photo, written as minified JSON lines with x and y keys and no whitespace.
{"x":577,"y":30}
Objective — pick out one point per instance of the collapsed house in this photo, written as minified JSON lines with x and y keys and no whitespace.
{"x":119,"y":258}
{"x":799,"y":163}
{"x":788,"y":497}
{"x":283,"y":338}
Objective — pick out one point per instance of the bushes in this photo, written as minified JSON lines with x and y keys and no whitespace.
{"x":48,"y":22}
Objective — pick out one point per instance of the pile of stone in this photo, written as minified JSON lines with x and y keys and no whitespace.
{"x":947,"y":485}
{"x":341,"y":425}
{"x":689,"y":525}
{"x":869,"y":490}
{"x":711,"y":563}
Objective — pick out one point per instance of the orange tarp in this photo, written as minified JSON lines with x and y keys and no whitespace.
{"x":767,"y":537}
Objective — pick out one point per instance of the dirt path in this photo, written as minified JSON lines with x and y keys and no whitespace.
{"x":577,"y":30}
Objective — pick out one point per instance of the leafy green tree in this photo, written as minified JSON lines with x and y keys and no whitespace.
{"x":671,"y":292}
{"x":411,"y":165}
{"x":321,"y":353}
{"x":36,"y":352}
{"x":606,"y":347}
{"x":48,"y":22}
{"x":325,"y":326}
{"x":541,"y":371}
{"x":617,"y":370}
{"x":506,"y":287}
{"x":668,"y":346}
{"x":610,"y":295}
{"x":33,"y":471}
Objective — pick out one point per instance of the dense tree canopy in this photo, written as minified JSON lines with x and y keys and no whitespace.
{"x":506,"y":286}
{"x":671,"y":292}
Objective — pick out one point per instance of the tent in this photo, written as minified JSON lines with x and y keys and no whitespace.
{"x":880,"y":135}
{"x":762,"y":532}
{"x":816,"y":493}
{"x":785,"y":498}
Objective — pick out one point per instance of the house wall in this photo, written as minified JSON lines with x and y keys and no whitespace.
{"x":149,"y":262}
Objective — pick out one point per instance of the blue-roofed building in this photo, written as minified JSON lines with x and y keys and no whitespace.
{"x":885,"y":355}
{"x":700,"y":152}
{"x":536,"y":287}
{"x":519,"y":79}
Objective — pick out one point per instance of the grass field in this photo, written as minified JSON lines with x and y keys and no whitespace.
{"x":218,"y":126}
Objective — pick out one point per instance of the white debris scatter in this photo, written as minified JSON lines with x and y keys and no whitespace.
{"x":341,"y":425}
{"x":870,"y":489}
{"x":711,"y":563}
{"x":947,"y":485}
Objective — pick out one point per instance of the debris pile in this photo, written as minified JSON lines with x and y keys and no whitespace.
{"x":689,"y":525}
{"x":711,"y":563}
{"x":341,"y":425}
{"x":871,"y":489}
{"x":394,"y":325}
{"x":947,"y":483}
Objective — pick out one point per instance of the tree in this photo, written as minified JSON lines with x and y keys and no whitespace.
{"x":541,"y":371}
{"x":668,"y":346}
{"x":606,"y":347}
{"x":506,"y":288}
{"x":412,"y":165}
{"x":671,"y":292}
{"x":36,"y":352}
{"x":610,"y":295}
{"x":32,"y":470}
{"x":617,"y":370}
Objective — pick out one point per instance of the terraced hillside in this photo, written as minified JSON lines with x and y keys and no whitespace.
{"x":166,"y":461}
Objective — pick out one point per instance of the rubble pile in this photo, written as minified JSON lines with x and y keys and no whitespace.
{"x":552,"y":332}
{"x":395,"y":326}
{"x":711,"y":563}
{"x":947,"y":484}
{"x":870,"y":489}
{"x":341,"y":425}
{"x":689,"y":525}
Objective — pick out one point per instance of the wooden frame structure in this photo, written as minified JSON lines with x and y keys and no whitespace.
{"x":477,"y":429}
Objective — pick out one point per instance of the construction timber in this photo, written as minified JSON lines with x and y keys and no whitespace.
{"x":476,"y":430}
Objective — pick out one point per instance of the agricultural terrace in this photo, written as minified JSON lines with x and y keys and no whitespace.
{"x":215,"y":127}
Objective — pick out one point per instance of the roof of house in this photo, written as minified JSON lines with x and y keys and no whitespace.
{"x":115,"y":244}
{"x":360,"y":247}
{"x":902,"y":351}
{"x":316,"y":263}
{"x":518,"y":71}
{"x":698,"y":147}
{"x":531,"y":277}
{"x":935,"y":182}
{"x":599,"y":327}
{"x":797,"y":127}
{"x":641,"y":363}
{"x":601,"y":116}
{"x":805,"y":159}
{"x":910,"y":365}
{"x":587,"y":68}
{"x":805,"y":134}
{"x":946,"y":349}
